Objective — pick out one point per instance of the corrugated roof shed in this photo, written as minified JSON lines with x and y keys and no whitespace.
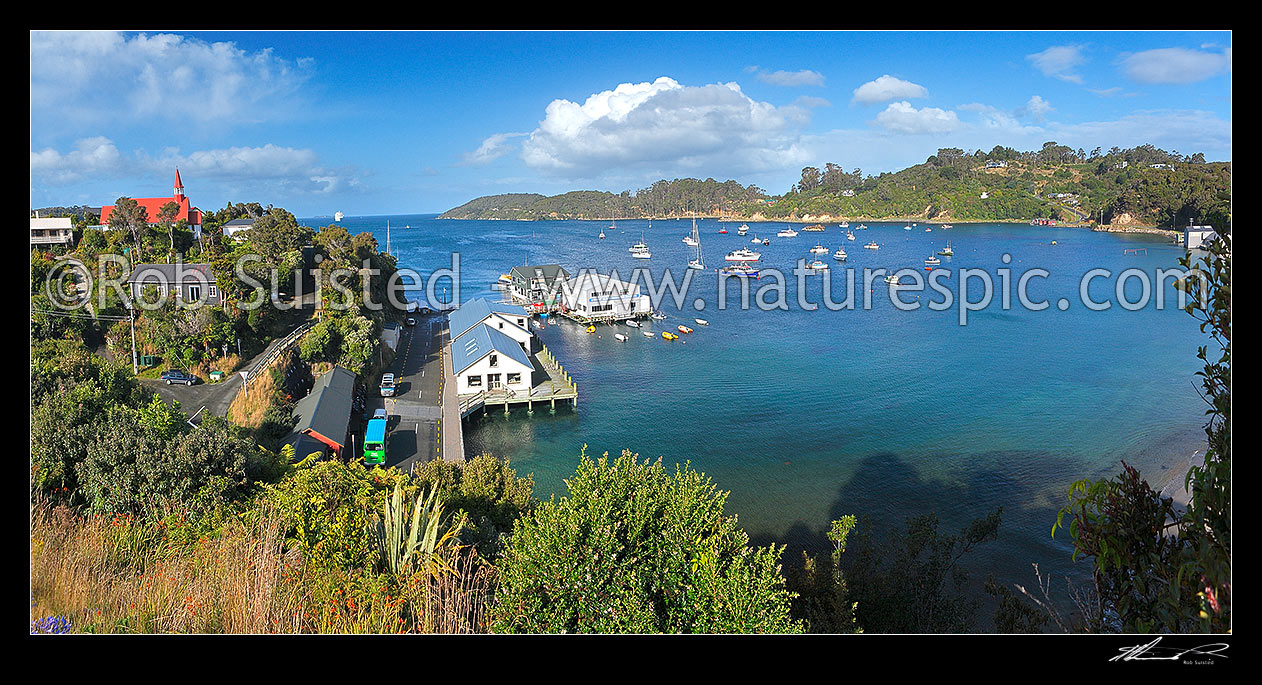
{"x":327,"y":410}
{"x":474,"y":312}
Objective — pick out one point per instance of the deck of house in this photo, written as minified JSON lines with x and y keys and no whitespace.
{"x":551,"y":383}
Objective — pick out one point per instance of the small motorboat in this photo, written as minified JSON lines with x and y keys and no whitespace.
{"x":840,"y":255}
{"x":620,"y":337}
{"x":872,"y":246}
{"x":787,"y":233}
{"x":723,"y":230}
{"x":817,"y":266}
{"x":946,"y":226}
{"x":819,"y":249}
{"x":684,"y":329}
{"x":702,"y":322}
{"x":743,"y":229}
{"x":633,"y":323}
{"x":667,"y":335}
{"x":927,"y":229}
{"x":849,"y":235}
{"x":648,"y":334}
{"x":658,"y":316}
{"x":932,"y":261}
{"x":766,"y":241}
{"x":891,"y":279}
{"x":947,"y":251}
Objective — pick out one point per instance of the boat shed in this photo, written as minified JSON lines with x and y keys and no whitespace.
{"x":323,"y":416}
{"x":482,"y":359}
{"x":507,"y":319}
{"x":539,"y":286}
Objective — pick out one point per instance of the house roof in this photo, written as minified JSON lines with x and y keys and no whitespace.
{"x":475,"y":312}
{"x":327,"y":410}
{"x":545,"y":271}
{"x":153,"y":207}
{"x":166,"y":273}
{"x":480,"y":341}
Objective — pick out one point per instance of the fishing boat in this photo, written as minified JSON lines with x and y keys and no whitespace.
{"x":633,"y":323}
{"x":872,"y":246}
{"x":684,"y":329}
{"x":946,"y":251}
{"x":819,"y":249}
{"x":840,"y":255}
{"x":742,"y":269}
{"x":702,"y":322}
{"x":743,"y":229}
{"x":787,"y":233}
{"x":816,"y":267}
{"x":932,"y":261}
{"x":640,"y":250}
{"x":743,"y":255}
{"x":891,"y":279}
{"x":620,"y":337}
{"x":667,"y":335}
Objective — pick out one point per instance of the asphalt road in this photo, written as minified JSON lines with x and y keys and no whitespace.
{"x":414,"y":410}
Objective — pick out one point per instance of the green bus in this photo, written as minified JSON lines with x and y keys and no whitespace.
{"x":375,"y":442}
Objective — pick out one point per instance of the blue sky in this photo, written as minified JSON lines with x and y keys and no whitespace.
{"x":400,"y":122}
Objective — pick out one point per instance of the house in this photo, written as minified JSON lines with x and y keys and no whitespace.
{"x":153,"y":207}
{"x":483,"y":358}
{"x":848,"y":192}
{"x":187,"y":283}
{"x":323,"y":417}
{"x":985,"y":195}
{"x":1160,"y":166}
{"x":508,"y":320}
{"x":232,"y":228}
{"x":537,"y":286}
{"x":996,"y":165}
{"x":1198,"y":237}
{"x":58,"y":231}
{"x":591,"y":296}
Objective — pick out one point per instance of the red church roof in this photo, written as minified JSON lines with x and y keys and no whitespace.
{"x":153,"y":206}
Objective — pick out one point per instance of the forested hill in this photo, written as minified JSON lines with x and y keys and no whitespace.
{"x":1138,"y":186}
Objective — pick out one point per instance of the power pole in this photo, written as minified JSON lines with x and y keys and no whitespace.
{"x":135,"y":361}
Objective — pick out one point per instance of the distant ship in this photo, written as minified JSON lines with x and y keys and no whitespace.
{"x":337,"y":216}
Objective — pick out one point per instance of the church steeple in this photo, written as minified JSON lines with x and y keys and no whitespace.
{"x":179,"y":186}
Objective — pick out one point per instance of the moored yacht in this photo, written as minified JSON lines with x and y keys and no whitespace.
{"x":840,"y":255}
{"x":787,"y":233}
{"x":743,"y":255}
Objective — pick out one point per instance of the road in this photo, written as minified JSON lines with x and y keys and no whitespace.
{"x":414,"y":410}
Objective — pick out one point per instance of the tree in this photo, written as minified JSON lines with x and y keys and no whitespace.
{"x":130,"y":216}
{"x":823,"y":600}
{"x":635,"y":549}
{"x":166,"y":218}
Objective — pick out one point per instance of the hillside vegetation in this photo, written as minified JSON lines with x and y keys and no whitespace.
{"x":1138,"y":186}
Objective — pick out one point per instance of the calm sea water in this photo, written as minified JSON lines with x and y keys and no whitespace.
{"x":804,"y":416}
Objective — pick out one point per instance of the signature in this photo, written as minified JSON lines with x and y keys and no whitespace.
{"x":1151,"y":652}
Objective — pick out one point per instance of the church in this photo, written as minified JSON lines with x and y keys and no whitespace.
{"x":153,"y":207}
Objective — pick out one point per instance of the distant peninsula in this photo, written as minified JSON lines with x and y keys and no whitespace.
{"x":1140,"y":186}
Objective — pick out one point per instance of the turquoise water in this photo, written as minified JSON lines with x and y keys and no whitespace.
{"x":805,"y":416}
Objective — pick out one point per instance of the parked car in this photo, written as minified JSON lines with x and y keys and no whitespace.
{"x":387,"y":385}
{"x":380,"y":414}
{"x":177,"y":376}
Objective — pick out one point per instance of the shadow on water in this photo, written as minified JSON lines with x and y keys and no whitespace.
{"x":887,"y":490}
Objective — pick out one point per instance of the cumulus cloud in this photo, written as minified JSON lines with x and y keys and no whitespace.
{"x":901,"y":117}
{"x":89,"y":157}
{"x":1036,"y":108}
{"x":888,"y":88}
{"x":492,"y":148}
{"x":1059,"y":62}
{"x":1175,"y":65}
{"x":804,"y":77}
{"x":159,"y":76}
{"x":666,"y":126}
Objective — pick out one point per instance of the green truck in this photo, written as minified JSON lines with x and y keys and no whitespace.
{"x":375,"y":442}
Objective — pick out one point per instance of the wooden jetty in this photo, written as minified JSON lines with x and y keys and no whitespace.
{"x":556,"y":385}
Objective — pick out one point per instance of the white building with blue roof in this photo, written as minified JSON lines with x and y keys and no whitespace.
{"x":507,"y":319}
{"x":483,"y":358}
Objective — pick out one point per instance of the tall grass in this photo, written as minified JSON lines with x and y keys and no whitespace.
{"x":114,"y":574}
{"x":251,"y":402}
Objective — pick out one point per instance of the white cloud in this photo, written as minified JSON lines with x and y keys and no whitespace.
{"x":1036,"y":108}
{"x":1175,"y":65}
{"x":251,"y":168}
{"x":812,"y":102}
{"x":1059,"y":61}
{"x":159,"y":76}
{"x":667,"y":127}
{"x":901,"y":117}
{"x":492,"y":148}
{"x":888,"y":88}
{"x":804,"y":77}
